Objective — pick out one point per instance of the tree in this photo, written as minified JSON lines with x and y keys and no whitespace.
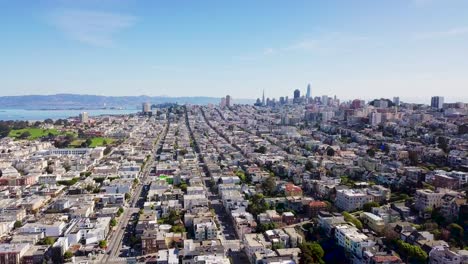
{"x":183,"y":152}
{"x":257,"y":204}
{"x":134,"y":240}
{"x":311,"y":253}
{"x":183,"y":187}
{"x":261,"y":149}
{"x":25,"y":135}
{"x":330,"y":152}
{"x":17,"y":224}
{"x":67,"y":255}
{"x":49,"y":241}
{"x":50,"y":169}
{"x":178,"y":229}
{"x":60,"y":122}
{"x":385,"y":148}
{"x":413,"y":253}
{"x":68,"y":182}
{"x":127,"y":196}
{"x":88,"y":142}
{"x":265,"y":227}
{"x":349,"y":218}
{"x":4,"y":129}
{"x":113,"y":222}
{"x":241,"y":175}
{"x":69,"y":137}
{"x":172,"y":217}
{"x":456,"y":231}
{"x":269,"y":185}
{"x":89,"y":188}
{"x":389,"y":102}
{"x":413,"y":157}
{"x":368,"y":206}
{"x":121,"y":210}
{"x":443,"y":144}
{"x":107,"y":150}
{"x":103,"y":244}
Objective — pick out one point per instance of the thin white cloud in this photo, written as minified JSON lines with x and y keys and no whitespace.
{"x":453,"y":32}
{"x":268,"y":51}
{"x":90,"y":27}
{"x":329,"y":43}
{"x":308,"y":45}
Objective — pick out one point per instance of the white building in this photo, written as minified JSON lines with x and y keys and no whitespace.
{"x":375,"y":118}
{"x":352,"y":240}
{"x":84,"y":118}
{"x":255,"y":243}
{"x":211,"y":259}
{"x":328,"y":220}
{"x":461,"y":176}
{"x":146,"y":108}
{"x":52,"y":229}
{"x":375,"y":222}
{"x":167,"y":256}
{"x":195,"y":200}
{"x":12,"y":253}
{"x":117,"y":186}
{"x":88,"y":231}
{"x":443,"y":255}
{"x":428,"y":199}
{"x":350,"y":200}
{"x":48,"y":179}
{"x":205,"y":231}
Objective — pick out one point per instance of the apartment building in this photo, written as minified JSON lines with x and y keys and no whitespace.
{"x":428,"y":199}
{"x":350,"y":199}
{"x":374,"y":222}
{"x":12,"y":253}
{"x":351,"y":239}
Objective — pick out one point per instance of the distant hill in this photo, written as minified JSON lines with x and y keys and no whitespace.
{"x":78,"y":101}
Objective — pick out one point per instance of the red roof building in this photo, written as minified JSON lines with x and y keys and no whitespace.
{"x":293,"y":190}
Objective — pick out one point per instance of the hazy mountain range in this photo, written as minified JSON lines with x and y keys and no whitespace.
{"x":79,"y":101}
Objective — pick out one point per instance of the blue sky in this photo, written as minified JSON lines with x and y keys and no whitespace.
{"x":353,"y":49}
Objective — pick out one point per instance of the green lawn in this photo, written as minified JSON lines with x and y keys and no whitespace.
{"x":96,"y":142}
{"x":99,"y":141}
{"x":35,"y":132}
{"x":39,"y":132}
{"x":76,"y":143}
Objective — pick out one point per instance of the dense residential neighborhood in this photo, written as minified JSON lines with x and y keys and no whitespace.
{"x":303,"y":180}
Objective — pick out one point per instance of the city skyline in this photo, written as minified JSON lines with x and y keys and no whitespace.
{"x":234,"y":132}
{"x":352,"y":50}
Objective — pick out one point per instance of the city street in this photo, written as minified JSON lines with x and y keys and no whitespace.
{"x":117,"y":251}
